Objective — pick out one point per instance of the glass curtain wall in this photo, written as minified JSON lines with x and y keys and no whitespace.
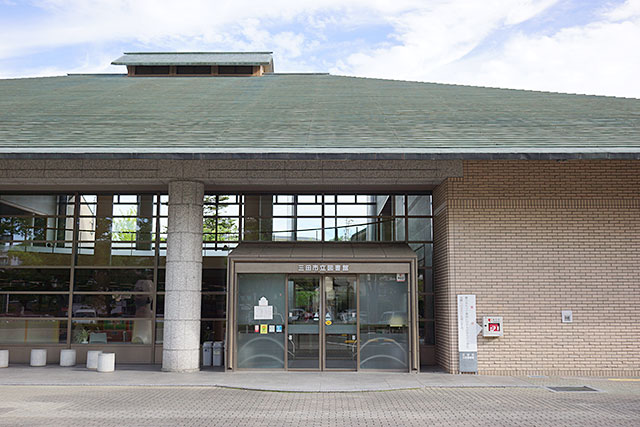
{"x":230,"y":219}
{"x":90,"y":268}
{"x":78,"y":269}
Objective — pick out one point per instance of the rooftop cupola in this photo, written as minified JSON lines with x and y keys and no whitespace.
{"x":189,"y":64}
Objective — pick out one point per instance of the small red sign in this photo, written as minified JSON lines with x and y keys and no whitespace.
{"x":256,"y":328}
{"x":494,"y":327}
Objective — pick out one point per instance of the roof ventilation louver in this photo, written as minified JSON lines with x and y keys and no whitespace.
{"x":189,"y":64}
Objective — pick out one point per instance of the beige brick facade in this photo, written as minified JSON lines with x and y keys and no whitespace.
{"x":529,"y":239}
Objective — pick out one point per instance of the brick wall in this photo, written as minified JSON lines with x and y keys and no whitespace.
{"x":531,"y":238}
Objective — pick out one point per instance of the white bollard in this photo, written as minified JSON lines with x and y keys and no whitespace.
{"x":107,"y":362}
{"x":38,"y":357}
{"x":4,"y":358}
{"x":92,"y":359}
{"x":68,"y":357}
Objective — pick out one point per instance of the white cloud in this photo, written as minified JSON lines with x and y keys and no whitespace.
{"x":454,"y":41}
{"x":437,"y":35}
{"x":169,"y":22}
{"x":601,"y":57}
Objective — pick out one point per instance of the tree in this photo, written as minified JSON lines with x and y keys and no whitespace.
{"x":216,"y":228}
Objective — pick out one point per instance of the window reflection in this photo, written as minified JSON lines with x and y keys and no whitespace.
{"x":34,"y":279}
{"x":116,"y":305}
{"x":87,"y":331}
{"x":113,"y":280}
{"x":117,"y":229}
{"x":33,"y":331}
{"x":315,"y":218}
{"x":38,"y":305}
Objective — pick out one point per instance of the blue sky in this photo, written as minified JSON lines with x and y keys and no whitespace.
{"x":554,"y":45}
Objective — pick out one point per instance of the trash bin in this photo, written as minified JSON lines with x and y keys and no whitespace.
{"x":218,"y":348}
{"x":207,"y":348}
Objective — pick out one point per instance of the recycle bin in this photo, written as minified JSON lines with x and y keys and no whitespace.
{"x":218,"y":348}
{"x":207,"y":350}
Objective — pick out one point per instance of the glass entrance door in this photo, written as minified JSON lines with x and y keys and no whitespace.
{"x":303,"y":325}
{"x":340,"y":323}
{"x":322,"y":322}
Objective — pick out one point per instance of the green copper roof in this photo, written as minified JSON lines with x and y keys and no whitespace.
{"x":307,"y":115}
{"x":194,"y":58}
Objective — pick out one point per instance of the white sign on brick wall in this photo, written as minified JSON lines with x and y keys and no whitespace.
{"x":467,"y":326}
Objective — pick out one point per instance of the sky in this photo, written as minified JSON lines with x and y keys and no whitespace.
{"x":572,"y":46}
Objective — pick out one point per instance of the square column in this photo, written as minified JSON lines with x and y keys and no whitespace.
{"x":181,"y":349}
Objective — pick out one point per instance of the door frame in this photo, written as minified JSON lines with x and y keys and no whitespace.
{"x":291,"y":267}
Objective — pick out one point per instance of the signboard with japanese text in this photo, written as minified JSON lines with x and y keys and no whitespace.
{"x":467,"y":326}
{"x":468,"y":330}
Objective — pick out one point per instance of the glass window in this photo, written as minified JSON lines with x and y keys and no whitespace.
{"x":419,"y":229}
{"x":424,"y":253}
{"x":87,"y":331}
{"x":429,"y":307}
{"x":34,"y":279}
{"x":400,"y":230}
{"x":427,"y":333}
{"x":257,"y":346}
{"x":347,"y":199}
{"x":384,"y":327}
{"x":159,"y":331}
{"x":35,"y":305}
{"x":425,"y":281}
{"x":283,"y":229}
{"x":160,"y":305}
{"x":309,"y":210}
{"x":214,"y":306}
{"x":354,"y":210}
{"x":284,"y":199}
{"x":109,"y":280}
{"x":29,"y":253}
{"x":419,"y":205}
{"x":307,"y":199}
{"x":309,"y":229}
{"x":352,"y":229}
{"x":400,"y":206}
{"x":214,"y":279}
{"x":37,"y":228}
{"x":425,"y":307}
{"x":161,"y":279}
{"x":212,"y":331}
{"x":116,"y":305}
{"x":117,"y":230}
{"x":33,"y":331}
{"x":283,"y":210}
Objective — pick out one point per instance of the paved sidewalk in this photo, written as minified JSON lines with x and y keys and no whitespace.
{"x":141,"y":375}
{"x":617,"y":405}
{"x":144,"y":396}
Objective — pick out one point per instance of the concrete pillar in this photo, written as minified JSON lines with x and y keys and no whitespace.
{"x":181,"y":349}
